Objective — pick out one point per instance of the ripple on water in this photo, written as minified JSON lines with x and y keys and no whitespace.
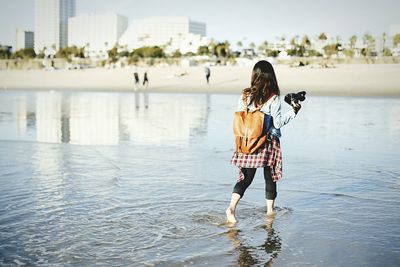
{"x":161,"y":200}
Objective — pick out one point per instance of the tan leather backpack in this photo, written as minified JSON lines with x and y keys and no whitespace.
{"x":248,"y":129}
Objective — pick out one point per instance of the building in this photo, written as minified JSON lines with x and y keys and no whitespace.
{"x":24,"y":39}
{"x":170,"y":33}
{"x":97,"y":33}
{"x":51,"y":24}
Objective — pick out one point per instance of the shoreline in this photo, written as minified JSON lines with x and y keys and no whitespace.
{"x":220,"y":92}
{"x":378,"y":80}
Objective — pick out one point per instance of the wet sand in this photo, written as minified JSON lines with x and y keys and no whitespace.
{"x":343,"y":80}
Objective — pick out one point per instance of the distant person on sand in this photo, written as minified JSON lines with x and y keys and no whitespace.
{"x":263,"y":94}
{"x":136,"y":75}
{"x":208,"y":74}
{"x":145,"y":80}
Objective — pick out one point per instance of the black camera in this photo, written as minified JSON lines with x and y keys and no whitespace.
{"x":293,"y":99}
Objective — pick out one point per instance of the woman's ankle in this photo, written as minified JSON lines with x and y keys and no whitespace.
{"x":231,"y":209}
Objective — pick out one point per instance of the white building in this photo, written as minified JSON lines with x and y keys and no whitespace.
{"x":171,"y":33}
{"x":51,"y":24}
{"x":97,"y":33}
{"x":24,"y":39}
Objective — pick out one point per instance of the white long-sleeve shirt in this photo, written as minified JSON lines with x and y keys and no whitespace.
{"x":273,"y":108}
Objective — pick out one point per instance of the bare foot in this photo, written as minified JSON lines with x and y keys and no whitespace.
{"x":230,"y":215}
{"x":271,"y":213}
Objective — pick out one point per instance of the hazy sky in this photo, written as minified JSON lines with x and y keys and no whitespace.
{"x":249,"y":20}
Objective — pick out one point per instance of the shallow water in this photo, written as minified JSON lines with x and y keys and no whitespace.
{"x":131,"y":179}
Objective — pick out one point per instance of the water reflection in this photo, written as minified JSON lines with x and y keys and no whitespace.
{"x":104,"y":118}
{"x":21,"y":115}
{"x":248,"y":255}
{"x":164,"y":122}
{"x":145,"y":99}
{"x":273,"y":243}
{"x":48,"y":118}
{"x":93,"y":119}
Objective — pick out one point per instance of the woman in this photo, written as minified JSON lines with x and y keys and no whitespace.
{"x":263,"y":93}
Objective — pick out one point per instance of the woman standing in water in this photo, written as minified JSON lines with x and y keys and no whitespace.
{"x":263,"y":93}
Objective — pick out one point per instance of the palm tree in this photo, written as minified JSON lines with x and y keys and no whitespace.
{"x":227,"y":44}
{"x":262,"y":48}
{"x":367,"y":38}
{"x":353,"y":41}
{"x":252,"y":45}
{"x":86,"y":49}
{"x":211,"y":47}
{"x":282,"y":41}
{"x":369,"y":42}
{"x":322,"y":40}
{"x":384,"y":36}
{"x":396,"y":40}
{"x":293,"y":42}
{"x":54,"y":47}
{"x":306,"y":41}
{"x":322,"y":36}
{"x":227,"y":47}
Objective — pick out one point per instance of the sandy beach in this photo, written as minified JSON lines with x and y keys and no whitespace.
{"x":343,"y":80}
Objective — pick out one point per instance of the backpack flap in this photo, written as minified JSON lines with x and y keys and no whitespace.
{"x":248,"y":130}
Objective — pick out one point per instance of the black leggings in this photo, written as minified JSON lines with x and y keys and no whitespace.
{"x":249,"y":173}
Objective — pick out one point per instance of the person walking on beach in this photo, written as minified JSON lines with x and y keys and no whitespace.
{"x":263,"y":94}
{"x":145,"y":80}
{"x":136,"y":75}
{"x":208,"y":73}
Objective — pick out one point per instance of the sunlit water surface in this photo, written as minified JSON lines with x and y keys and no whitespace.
{"x":122,"y":179}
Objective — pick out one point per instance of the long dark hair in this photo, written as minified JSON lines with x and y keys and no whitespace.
{"x":263,"y":84}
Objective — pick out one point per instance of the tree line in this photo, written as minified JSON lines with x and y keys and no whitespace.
{"x":300,"y":47}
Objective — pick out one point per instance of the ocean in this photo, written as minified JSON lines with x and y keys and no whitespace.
{"x":143,"y":179}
